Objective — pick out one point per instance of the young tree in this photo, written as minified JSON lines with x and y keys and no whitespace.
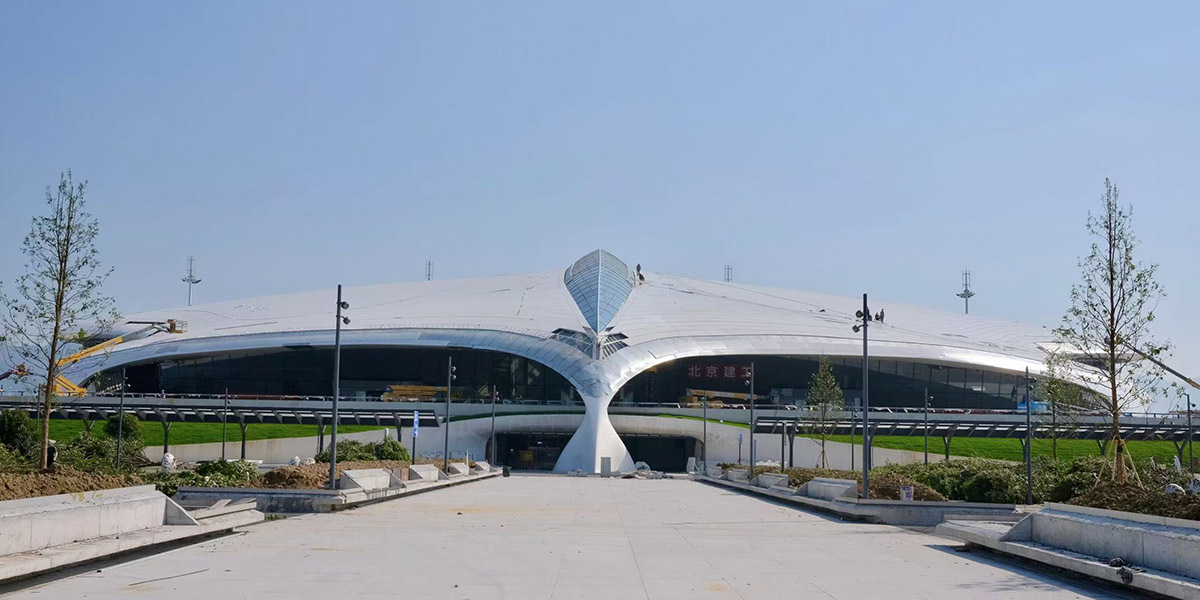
{"x":1111,"y":310}
{"x":825,"y":393}
{"x":58,"y":295}
{"x":1067,"y":400}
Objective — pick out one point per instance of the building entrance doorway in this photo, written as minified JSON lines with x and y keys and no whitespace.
{"x":662,"y":453}
{"x":530,"y":451}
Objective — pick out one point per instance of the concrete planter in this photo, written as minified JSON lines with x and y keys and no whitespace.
{"x":1164,"y":552}
{"x":839,"y":497}
{"x":770,"y":480}
{"x":318,"y":501}
{"x":44,"y":534}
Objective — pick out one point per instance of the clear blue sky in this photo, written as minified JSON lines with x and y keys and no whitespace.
{"x":879,"y":147}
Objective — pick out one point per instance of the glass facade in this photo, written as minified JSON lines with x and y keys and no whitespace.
{"x":599,"y":283}
{"x":368,"y":373}
{"x":785,"y":380}
{"x":364,"y":372}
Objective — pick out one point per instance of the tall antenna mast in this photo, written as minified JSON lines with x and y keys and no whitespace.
{"x":428,"y":270}
{"x":191,"y":277}
{"x":728,"y":273}
{"x":966,"y":293}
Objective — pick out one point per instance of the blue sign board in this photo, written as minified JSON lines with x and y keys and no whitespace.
{"x":416,"y":423}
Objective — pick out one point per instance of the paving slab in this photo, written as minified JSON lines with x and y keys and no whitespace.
{"x":571,"y":537}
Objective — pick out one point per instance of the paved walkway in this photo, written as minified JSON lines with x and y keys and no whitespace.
{"x":563,"y":537}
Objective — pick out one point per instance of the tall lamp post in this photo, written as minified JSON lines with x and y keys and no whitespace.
{"x":450,"y":368}
{"x":926,"y":425}
{"x":337,"y":376}
{"x":121,"y":418}
{"x":1028,"y":440}
{"x":750,"y":382}
{"x":865,"y":316}
{"x":704,"y":446}
{"x":1191,"y":457}
{"x":494,"y":397}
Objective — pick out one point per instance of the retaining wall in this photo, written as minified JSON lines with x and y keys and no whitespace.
{"x":276,"y":451}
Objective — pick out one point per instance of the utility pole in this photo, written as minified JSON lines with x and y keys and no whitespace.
{"x":191,"y":277}
{"x":428,"y":270}
{"x":966,"y":292}
{"x":704,"y":447}
{"x":728,"y":273}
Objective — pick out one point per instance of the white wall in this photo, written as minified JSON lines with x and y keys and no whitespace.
{"x":273,"y":452}
{"x":471,"y":436}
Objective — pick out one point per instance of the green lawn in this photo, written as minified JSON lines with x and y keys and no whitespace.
{"x":1002,"y":449}
{"x":197,"y":433}
{"x":1010,"y":449}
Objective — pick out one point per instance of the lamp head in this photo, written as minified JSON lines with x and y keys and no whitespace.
{"x":857,"y":328}
{"x":345,"y":320}
{"x":344,"y":305}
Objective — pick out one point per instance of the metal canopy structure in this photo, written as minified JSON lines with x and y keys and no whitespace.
{"x":985,"y":426}
{"x":172,"y":410}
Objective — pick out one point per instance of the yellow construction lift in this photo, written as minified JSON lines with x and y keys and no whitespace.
{"x":65,"y":387}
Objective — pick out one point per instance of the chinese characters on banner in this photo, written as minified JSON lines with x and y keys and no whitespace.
{"x":718,"y":372}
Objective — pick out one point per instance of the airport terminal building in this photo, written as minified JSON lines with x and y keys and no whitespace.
{"x":593,"y":337}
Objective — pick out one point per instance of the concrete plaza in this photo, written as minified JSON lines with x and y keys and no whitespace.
{"x":564,"y":537}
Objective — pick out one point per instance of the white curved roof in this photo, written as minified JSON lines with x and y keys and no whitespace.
{"x":664,"y":318}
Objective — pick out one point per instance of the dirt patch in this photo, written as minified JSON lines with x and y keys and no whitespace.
{"x":64,"y":480}
{"x":316,"y":477}
{"x":1131,"y":498}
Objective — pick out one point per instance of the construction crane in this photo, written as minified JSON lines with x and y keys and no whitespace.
{"x":65,"y":387}
{"x":1160,"y":363}
{"x":19,"y":372}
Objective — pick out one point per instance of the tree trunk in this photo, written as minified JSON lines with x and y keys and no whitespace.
{"x":1119,"y":473}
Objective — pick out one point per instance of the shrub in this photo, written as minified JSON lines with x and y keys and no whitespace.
{"x":998,"y":485}
{"x":216,"y":473}
{"x":391,"y":450}
{"x":89,"y":454}
{"x":130,"y":429}
{"x":973,"y":479}
{"x":348,"y":450}
{"x":1071,"y":485}
{"x":13,"y":462}
{"x":96,"y":454}
{"x":20,"y":434}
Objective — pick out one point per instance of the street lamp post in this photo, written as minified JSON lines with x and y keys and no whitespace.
{"x":450,"y":368}
{"x":1028,"y":441}
{"x":750,"y":382}
{"x":494,"y":395}
{"x":865,"y":316}
{"x":224,"y":422}
{"x":121,"y":418}
{"x":337,"y":376}
{"x":704,"y":446}
{"x":926,"y":425}
{"x":1191,"y":457}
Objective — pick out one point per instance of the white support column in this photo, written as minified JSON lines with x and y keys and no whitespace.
{"x":595,"y":439}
